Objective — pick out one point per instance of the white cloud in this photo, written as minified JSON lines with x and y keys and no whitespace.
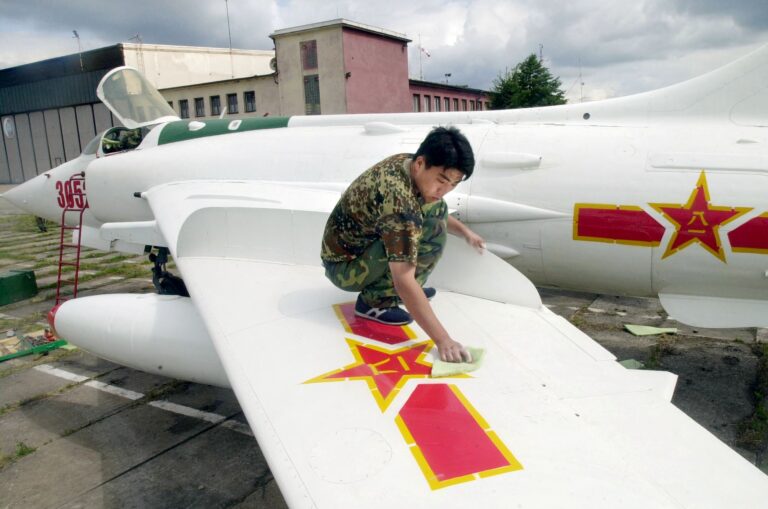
{"x":622,"y":46}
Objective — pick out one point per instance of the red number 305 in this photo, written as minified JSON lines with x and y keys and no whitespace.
{"x":70,"y":194}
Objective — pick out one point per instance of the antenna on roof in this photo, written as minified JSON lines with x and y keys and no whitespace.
{"x":139,"y":53}
{"x":79,"y":49}
{"x":231,"y":63}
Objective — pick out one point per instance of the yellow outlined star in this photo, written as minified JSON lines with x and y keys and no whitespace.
{"x":385,"y":371}
{"x":698,"y":221}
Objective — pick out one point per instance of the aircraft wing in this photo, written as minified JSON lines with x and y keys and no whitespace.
{"x":346,"y":413}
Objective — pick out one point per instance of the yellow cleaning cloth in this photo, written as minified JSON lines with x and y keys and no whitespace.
{"x":442,"y":368}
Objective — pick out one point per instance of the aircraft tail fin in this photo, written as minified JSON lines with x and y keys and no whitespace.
{"x":737,"y":91}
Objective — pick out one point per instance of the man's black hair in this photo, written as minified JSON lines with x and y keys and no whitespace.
{"x":447,"y":147}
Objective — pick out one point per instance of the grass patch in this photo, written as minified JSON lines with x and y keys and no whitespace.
{"x":23,"y":449}
{"x":126,"y":271}
{"x":578,"y":319}
{"x":16,"y":256}
{"x":664,"y":346}
{"x":27,"y":223}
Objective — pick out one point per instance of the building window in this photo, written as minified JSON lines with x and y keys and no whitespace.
{"x":472,"y":104}
{"x":427,"y":103}
{"x":231,"y":103}
{"x":437,"y":103}
{"x":308,"y":55}
{"x":183,"y":108}
{"x":215,"y":105}
{"x":250,"y":101}
{"x":312,"y":94}
{"x":463,"y":105}
{"x":455,"y":105}
{"x":199,"y":107}
{"x":447,"y":104}
{"x":416,"y":102}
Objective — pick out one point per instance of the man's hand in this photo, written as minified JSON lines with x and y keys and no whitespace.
{"x":403,"y":275}
{"x":452,"y":351}
{"x":473,"y":239}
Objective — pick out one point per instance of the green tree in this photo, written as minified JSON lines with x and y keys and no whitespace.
{"x":529,"y":85}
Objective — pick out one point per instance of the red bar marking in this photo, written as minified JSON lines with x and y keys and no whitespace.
{"x":390,"y":334}
{"x":451,"y":442}
{"x":751,"y":237}
{"x":620,"y":224}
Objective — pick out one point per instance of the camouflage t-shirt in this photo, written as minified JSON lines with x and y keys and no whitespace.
{"x":382,"y":203}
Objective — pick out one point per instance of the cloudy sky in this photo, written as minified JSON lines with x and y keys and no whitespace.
{"x":620,"y":47}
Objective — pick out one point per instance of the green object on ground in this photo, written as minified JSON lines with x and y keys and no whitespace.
{"x":632,"y":364}
{"x":647,"y":330}
{"x":37,"y":349}
{"x":16,"y":285}
{"x":442,"y":368}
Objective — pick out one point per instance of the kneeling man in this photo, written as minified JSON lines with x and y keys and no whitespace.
{"x":388,"y":230}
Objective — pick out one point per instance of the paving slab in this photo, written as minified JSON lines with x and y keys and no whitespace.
{"x":67,"y":468}
{"x":42,"y":421}
{"x":219,"y":468}
{"x":28,"y":384}
{"x":85,"y":364}
{"x":138,"y":381}
{"x":206,"y":398}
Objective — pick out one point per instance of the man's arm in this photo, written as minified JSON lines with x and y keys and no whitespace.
{"x":409,"y":290}
{"x":458,"y":228}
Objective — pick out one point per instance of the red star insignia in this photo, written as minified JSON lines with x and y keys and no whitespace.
{"x":385,"y":371}
{"x":697,"y":221}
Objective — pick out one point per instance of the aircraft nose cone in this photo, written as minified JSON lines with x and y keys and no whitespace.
{"x":23,"y":195}
{"x":35,"y":197}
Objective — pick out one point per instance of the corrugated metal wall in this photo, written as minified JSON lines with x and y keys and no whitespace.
{"x":49,"y":111}
{"x":42,"y":140}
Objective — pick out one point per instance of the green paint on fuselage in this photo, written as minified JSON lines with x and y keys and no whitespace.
{"x":179,"y":131}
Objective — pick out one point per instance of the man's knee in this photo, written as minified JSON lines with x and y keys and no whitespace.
{"x":349,"y":276}
{"x":363,"y":271}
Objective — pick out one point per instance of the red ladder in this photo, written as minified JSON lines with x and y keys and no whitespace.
{"x":75,"y":203}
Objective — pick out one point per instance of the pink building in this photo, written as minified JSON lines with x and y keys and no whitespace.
{"x":342,"y":66}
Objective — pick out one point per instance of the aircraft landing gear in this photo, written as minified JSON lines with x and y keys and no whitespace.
{"x":165,"y":282}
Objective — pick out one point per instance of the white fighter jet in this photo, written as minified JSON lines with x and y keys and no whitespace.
{"x":662,"y":193}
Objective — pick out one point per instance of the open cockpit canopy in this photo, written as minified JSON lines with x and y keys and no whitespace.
{"x":133,"y":99}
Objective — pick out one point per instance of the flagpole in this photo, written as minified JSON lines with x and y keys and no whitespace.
{"x":421,"y":67}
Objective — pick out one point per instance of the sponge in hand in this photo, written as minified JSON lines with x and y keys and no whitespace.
{"x":442,"y":368}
